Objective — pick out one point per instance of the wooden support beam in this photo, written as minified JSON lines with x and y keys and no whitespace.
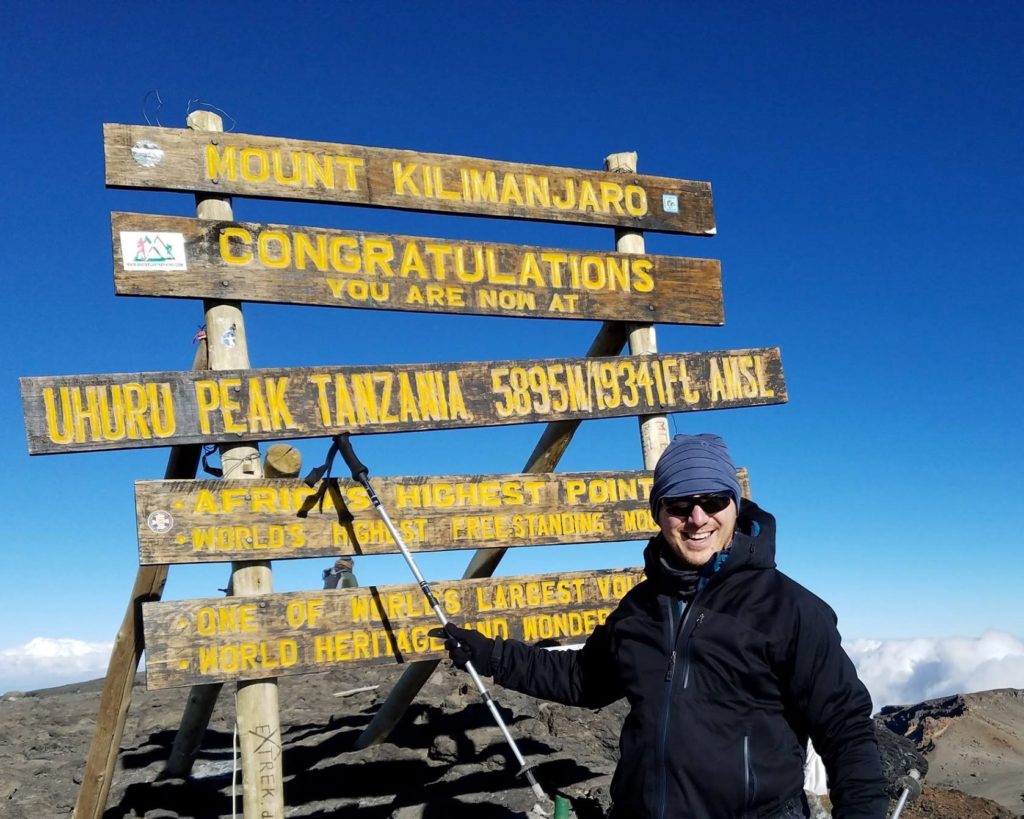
{"x":91,"y":801}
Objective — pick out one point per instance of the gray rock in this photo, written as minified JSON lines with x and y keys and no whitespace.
{"x":899,"y":757}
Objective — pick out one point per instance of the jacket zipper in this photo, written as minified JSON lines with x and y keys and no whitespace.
{"x":674,"y":610}
{"x":686,"y":651}
{"x":749,"y":774}
{"x":746,"y":771}
{"x":676,"y":634}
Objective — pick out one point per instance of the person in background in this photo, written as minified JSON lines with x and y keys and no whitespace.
{"x":340,"y":575}
{"x":728,"y":665}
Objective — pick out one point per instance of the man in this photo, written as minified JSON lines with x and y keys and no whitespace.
{"x":728,"y":665}
{"x":340,"y":575}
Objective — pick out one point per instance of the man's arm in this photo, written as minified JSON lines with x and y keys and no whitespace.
{"x":827,"y":693}
{"x":586,"y":677}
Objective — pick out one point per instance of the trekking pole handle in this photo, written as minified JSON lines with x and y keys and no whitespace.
{"x":357,"y":467}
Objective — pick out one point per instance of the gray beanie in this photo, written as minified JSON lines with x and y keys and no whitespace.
{"x":694,"y":465}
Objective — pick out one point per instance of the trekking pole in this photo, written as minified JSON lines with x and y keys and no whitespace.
{"x":361,"y":474}
{"x":911,"y":789}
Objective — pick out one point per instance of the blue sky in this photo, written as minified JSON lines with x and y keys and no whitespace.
{"x":866,"y":165}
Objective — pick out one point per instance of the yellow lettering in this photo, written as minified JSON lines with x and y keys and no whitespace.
{"x":611,"y":197}
{"x":341,"y":259}
{"x":304,"y":250}
{"x":221,"y":165}
{"x":262,"y":166}
{"x":403,"y":180}
{"x":244,"y":238}
{"x":636,"y":200}
{"x":279,"y":259}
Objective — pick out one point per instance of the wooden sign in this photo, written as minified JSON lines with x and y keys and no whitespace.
{"x":277,"y":168}
{"x":218,"y":520}
{"x":81,"y":413}
{"x":213,"y":521}
{"x":192,"y":258}
{"x":276,"y":635}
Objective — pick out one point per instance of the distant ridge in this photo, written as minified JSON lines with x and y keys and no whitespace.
{"x":973,"y":742}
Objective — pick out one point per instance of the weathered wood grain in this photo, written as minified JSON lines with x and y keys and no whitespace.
{"x":211,"y":521}
{"x":124,"y":411}
{"x":277,"y":168}
{"x":306,"y":265}
{"x":219,"y":639}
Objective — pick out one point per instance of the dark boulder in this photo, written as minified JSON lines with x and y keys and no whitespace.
{"x":899,"y":757}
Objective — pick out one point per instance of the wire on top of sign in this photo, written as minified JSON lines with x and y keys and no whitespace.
{"x":159,"y":104}
{"x":196,"y":104}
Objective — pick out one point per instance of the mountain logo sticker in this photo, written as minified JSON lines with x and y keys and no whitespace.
{"x":152,"y":251}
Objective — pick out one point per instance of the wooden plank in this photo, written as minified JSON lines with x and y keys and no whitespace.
{"x":82,"y":413}
{"x":191,"y":258}
{"x":217,"y":521}
{"x":210,"y":521}
{"x":218,"y":639}
{"x":278,"y":168}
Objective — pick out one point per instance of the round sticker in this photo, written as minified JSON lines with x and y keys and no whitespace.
{"x":160,"y":521}
{"x":147,"y":154}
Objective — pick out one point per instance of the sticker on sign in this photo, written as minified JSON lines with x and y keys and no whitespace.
{"x":152,"y":251}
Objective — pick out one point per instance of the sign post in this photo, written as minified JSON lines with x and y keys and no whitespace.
{"x":259,"y":720}
{"x":654,"y":436}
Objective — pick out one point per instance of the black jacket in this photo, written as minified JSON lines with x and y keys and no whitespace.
{"x":723,"y":692}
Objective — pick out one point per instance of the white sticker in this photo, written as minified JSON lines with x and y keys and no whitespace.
{"x":670,"y":203}
{"x":147,"y":154}
{"x":152,"y":251}
{"x":228,"y":337}
{"x":160,"y":521}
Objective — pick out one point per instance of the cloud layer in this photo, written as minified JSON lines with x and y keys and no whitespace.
{"x":904,"y":672}
{"x":44,"y":662}
{"x":896,"y":672}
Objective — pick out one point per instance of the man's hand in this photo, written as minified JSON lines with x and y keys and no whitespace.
{"x":465,"y":646}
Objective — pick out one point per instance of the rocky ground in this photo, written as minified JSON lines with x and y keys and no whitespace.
{"x":974,"y":742}
{"x":445,"y":760}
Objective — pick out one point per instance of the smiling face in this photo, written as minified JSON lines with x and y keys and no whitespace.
{"x":691,"y":532}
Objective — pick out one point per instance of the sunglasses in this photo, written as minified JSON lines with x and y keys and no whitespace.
{"x":683,"y":507}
